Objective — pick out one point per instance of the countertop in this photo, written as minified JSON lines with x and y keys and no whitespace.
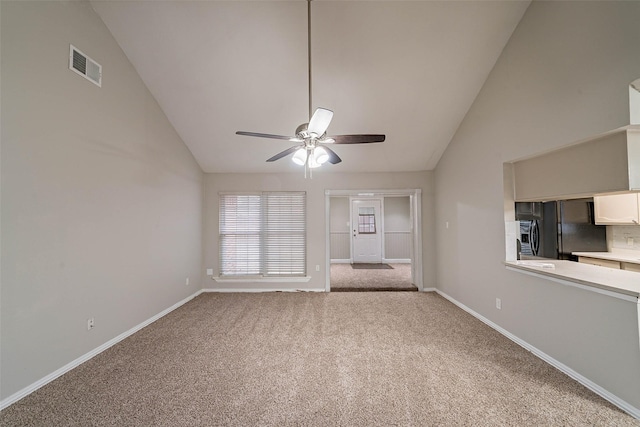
{"x":609,"y":279}
{"x":613,"y":256}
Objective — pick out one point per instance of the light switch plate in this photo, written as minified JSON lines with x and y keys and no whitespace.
{"x":209,"y":271}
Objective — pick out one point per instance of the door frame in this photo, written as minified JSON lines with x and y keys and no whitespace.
{"x":415,"y":200}
{"x":379,"y":225}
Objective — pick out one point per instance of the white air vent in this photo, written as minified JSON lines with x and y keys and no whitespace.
{"x":85,"y":66}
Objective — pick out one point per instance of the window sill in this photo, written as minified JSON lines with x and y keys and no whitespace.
{"x":616,"y":283}
{"x":304,"y":279}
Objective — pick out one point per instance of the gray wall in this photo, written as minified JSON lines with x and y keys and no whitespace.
{"x":339,"y":215}
{"x":339,"y":221}
{"x":397,"y":214}
{"x":397,"y":228}
{"x":563,"y":76}
{"x":101,"y":200}
{"x":316,"y":229}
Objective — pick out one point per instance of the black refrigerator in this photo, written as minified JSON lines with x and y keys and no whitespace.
{"x":556,"y":229}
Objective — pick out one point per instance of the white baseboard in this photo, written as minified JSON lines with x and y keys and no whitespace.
{"x":620,"y":403}
{"x":258,"y":290}
{"x":384,"y":260}
{"x":75,"y":363}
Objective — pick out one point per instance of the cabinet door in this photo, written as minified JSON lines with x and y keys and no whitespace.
{"x":618,"y":209}
{"x":599,"y":261}
{"x":631,"y":266}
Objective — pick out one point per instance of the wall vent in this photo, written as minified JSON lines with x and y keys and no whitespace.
{"x":85,"y":66}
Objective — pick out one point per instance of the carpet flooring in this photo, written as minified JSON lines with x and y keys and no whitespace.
{"x":344,"y":278}
{"x":315,"y":359}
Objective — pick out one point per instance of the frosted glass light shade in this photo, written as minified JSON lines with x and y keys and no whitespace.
{"x":320,"y":155}
{"x":300,"y":157}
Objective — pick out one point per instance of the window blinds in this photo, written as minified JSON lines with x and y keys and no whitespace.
{"x":263,"y":234}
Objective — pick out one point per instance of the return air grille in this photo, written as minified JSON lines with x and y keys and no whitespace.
{"x":85,"y":66}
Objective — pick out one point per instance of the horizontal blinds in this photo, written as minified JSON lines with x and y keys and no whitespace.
{"x":284,"y":234}
{"x":263,"y":234}
{"x":240,"y":230}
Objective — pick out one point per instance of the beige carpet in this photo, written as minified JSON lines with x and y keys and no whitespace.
{"x":315,"y":359}
{"x":346,"y":278}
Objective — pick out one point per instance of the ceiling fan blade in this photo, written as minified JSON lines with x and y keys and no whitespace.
{"x":283,"y":153}
{"x":356,"y":139}
{"x":320,"y":121}
{"x":333,"y":157}
{"x":268,"y":135}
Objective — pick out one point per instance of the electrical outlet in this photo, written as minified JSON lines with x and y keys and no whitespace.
{"x":446,"y":224}
{"x":498,"y":303}
{"x":317,"y":267}
{"x":90,"y":324}
{"x":186,"y":282}
{"x":629,"y":241}
{"x":209,"y":271}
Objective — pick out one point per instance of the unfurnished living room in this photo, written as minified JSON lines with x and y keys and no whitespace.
{"x":319,"y":213}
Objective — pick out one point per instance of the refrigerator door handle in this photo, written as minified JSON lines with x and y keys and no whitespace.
{"x":534,"y":237}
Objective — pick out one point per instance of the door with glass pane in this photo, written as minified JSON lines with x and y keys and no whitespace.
{"x":366,"y":234}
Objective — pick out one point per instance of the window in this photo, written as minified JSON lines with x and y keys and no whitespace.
{"x":263,"y":234}
{"x":366,"y":221}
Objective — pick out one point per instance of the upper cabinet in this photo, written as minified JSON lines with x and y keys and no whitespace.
{"x":617,"y":209}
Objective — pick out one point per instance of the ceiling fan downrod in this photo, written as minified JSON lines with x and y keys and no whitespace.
{"x":311,"y":149}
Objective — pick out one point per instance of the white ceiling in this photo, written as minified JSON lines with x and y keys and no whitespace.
{"x":410,"y":70}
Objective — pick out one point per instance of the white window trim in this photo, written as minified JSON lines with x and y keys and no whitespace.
{"x":247,"y":279}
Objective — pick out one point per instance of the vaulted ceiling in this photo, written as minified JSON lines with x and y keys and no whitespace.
{"x":409,"y":70}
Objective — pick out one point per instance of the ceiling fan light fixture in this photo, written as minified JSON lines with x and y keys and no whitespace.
{"x":313,"y":163}
{"x":300,"y":157}
{"x":320,"y":155}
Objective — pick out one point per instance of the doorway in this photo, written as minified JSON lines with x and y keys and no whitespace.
{"x":373,"y":240}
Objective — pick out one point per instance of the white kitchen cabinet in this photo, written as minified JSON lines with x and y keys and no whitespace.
{"x":617,"y":209}
{"x":630,"y":266}
{"x":601,"y":262}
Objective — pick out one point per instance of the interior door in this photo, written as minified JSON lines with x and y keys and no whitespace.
{"x":366,"y":235}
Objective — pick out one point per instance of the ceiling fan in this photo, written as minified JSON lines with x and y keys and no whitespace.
{"x":311,"y":139}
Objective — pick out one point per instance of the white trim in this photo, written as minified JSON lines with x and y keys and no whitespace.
{"x":341,"y":261}
{"x":260,"y":290}
{"x":80,"y":360}
{"x":354,"y":193}
{"x":396,"y":261}
{"x":429,"y":290}
{"x":625,"y":406}
{"x":416,"y":227}
{"x":304,"y":279}
{"x":327,"y":239}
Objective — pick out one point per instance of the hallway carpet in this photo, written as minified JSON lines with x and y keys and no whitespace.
{"x":345,"y":278}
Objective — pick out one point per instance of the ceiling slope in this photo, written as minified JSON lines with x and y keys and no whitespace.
{"x":409,"y":70}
